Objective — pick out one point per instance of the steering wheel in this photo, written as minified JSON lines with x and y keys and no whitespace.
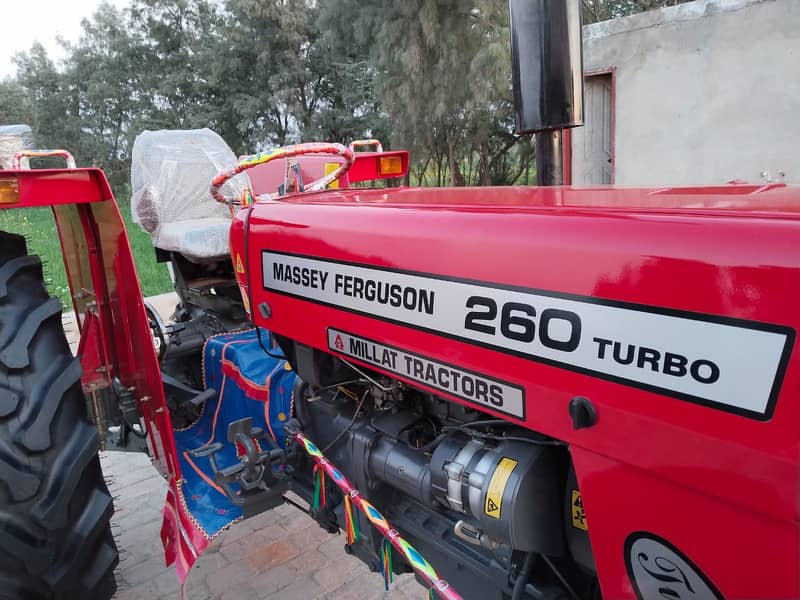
{"x":159,"y":329}
{"x":286,"y":152}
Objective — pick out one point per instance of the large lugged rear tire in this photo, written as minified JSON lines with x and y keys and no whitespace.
{"x":55,"y":509}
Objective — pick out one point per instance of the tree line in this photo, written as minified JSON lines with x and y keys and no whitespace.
{"x":432,"y":76}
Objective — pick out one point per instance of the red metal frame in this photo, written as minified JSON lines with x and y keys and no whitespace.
{"x":721,"y":487}
{"x":22,"y":159}
{"x":116,"y":341}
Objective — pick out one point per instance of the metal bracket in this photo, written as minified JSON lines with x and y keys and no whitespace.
{"x":251,"y":484}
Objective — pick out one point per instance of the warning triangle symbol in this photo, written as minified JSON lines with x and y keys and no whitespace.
{"x":491,"y":505}
{"x":239,"y":264}
{"x":338,"y":343}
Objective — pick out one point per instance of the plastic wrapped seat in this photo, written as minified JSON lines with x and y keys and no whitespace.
{"x":13,"y":139}
{"x":171,"y":172}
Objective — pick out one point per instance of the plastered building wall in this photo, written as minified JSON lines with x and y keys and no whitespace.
{"x":705,"y":92}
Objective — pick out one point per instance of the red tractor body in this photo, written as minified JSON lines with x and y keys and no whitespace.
{"x":672,"y":311}
{"x":534,"y":392}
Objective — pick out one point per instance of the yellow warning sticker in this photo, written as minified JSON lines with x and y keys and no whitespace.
{"x":578,"y":514}
{"x":239,"y":264}
{"x":497,"y":486}
{"x":330,"y":168}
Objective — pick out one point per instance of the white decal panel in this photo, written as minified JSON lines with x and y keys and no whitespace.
{"x":473,"y":387}
{"x":730,"y":364}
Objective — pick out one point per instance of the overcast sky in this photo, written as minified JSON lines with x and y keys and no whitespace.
{"x":24,"y":21}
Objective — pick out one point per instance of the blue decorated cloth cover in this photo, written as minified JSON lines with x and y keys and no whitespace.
{"x":249,"y":383}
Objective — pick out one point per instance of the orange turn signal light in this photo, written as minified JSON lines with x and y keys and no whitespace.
{"x":9,"y":191}
{"x":390,"y":165}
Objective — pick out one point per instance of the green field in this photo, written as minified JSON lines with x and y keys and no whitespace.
{"x":38,"y":226}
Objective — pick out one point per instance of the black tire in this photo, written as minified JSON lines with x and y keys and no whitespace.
{"x":55,"y":509}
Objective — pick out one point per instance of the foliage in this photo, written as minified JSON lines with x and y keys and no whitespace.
{"x":15,"y":104}
{"x":429,"y":75}
{"x":446,"y":100}
{"x":602,"y":10}
{"x":38,"y":227}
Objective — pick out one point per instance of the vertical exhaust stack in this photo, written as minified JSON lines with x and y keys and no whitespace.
{"x":547,"y":62}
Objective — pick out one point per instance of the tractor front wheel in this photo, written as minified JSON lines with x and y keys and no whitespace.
{"x":55,"y":508}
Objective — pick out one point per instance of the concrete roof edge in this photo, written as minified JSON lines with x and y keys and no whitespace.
{"x":688,"y":11}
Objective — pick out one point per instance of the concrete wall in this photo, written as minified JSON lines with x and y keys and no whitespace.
{"x":706,"y":91}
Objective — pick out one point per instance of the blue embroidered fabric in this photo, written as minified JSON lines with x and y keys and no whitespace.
{"x":249,"y":383}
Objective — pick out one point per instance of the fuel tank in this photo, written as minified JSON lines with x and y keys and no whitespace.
{"x":670,"y":313}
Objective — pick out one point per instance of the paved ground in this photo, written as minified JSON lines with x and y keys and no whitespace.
{"x":278,"y":554}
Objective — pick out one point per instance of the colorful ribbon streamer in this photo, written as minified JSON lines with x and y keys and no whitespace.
{"x":439,"y":587}
{"x":386,"y":564}
{"x":351,"y":522}
{"x":319,"y":488}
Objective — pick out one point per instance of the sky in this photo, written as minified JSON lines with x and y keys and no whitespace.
{"x":24,"y":21}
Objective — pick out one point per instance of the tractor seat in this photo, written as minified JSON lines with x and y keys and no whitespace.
{"x":171,"y":172}
{"x":199,"y":240}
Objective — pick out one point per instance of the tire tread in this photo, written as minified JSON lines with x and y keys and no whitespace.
{"x":55,"y":508}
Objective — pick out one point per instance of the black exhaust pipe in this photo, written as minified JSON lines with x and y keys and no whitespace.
{"x":547,"y":62}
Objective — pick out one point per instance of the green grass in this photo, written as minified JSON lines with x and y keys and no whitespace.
{"x":38,"y":226}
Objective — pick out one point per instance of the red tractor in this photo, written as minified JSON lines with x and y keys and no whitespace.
{"x":540,"y":392}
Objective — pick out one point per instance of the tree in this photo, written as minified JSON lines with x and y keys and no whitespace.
{"x":441,"y":76}
{"x":263,"y":71}
{"x":172,"y":47}
{"x":602,"y":10}
{"x":53,"y":116}
{"x":99,"y":85}
{"x":15,"y":105}
{"x":429,"y":75}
